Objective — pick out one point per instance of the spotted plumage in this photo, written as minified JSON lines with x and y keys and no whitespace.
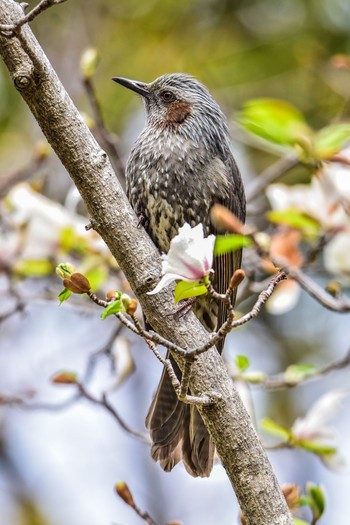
{"x":180,"y":165}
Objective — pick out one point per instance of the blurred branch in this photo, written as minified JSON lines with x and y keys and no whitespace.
{"x":8,"y":181}
{"x":279,"y":381}
{"x":336,"y":304}
{"x":269,"y":175}
{"x":103,"y":402}
{"x":42,"y":6}
{"x":108,"y":141}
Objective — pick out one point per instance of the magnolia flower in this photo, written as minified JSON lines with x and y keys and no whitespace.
{"x":323,"y":198}
{"x":315,"y":428}
{"x":44,"y":220}
{"x":190,"y":257}
{"x":327,"y":199}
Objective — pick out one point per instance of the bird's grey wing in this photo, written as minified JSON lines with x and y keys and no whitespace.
{"x":232,"y":197}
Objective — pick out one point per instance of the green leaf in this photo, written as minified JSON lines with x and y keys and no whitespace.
{"x":296,"y":219}
{"x":70,"y":241}
{"x":33,"y":267}
{"x":242,"y":362}
{"x":303,"y":501}
{"x":275,"y":120}
{"x":297,"y":373}
{"x":113,"y":308}
{"x":331,"y":139}
{"x":297,"y":521}
{"x":313,"y":446}
{"x":317,"y":497}
{"x":64,"y":295}
{"x":275,"y":429}
{"x":230,"y":243}
{"x":184,"y":290}
{"x":97,"y":276}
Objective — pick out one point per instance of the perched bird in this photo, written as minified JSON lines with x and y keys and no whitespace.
{"x":180,"y":165}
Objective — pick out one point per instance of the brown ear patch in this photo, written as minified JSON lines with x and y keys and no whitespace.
{"x":178,"y":111}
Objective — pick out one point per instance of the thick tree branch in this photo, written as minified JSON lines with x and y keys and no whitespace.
{"x":237,"y":443}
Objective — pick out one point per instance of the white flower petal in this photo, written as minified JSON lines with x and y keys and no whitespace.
{"x":337,"y":255}
{"x":335,"y":462}
{"x":284,"y":298}
{"x":315,"y":423}
{"x":167,"y":279}
{"x":190,"y":257}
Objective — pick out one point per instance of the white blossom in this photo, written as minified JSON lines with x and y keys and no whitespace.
{"x":315,"y":425}
{"x":190,"y":257}
{"x":327,"y":199}
{"x":44,"y":220}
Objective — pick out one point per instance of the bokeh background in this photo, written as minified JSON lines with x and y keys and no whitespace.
{"x":60,"y":465}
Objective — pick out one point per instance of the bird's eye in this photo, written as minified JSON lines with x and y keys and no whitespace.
{"x":167,"y":96}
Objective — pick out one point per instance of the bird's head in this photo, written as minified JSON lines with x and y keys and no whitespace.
{"x":177,"y":100}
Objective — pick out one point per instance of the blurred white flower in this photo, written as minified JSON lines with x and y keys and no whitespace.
{"x":314,"y":432}
{"x":124,"y":363}
{"x":190,"y":257}
{"x":44,"y":220}
{"x":284,"y":298}
{"x":319,"y":199}
{"x":327,"y":199}
{"x":315,"y":425}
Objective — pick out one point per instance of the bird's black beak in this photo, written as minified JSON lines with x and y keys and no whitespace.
{"x":139,"y":87}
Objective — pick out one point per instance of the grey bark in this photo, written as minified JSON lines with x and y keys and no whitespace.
{"x":238,"y":446}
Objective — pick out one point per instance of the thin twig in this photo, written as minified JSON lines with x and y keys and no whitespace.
{"x":269,"y":175}
{"x":230,"y":323}
{"x":336,"y":304}
{"x":9,"y":180}
{"x":279,"y":381}
{"x":108,"y":141}
{"x":124,"y":492}
{"x":105,"y":403}
{"x":42,"y":6}
{"x":104,"y":351}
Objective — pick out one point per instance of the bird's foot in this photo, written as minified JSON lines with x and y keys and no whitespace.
{"x":205,"y":400}
{"x":143,"y":221}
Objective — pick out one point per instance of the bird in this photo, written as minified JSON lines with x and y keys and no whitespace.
{"x":179,"y":167}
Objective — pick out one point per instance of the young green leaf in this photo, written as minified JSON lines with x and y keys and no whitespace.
{"x":317,"y":497}
{"x":297,"y":373}
{"x":230,"y":243}
{"x":113,"y":308}
{"x":297,"y":521}
{"x":242,"y":362}
{"x":185,"y":290}
{"x":275,"y":429}
{"x":274,"y":120}
{"x":97,"y":276}
{"x":70,"y":240}
{"x":64,"y":295}
{"x":331,"y":139}
{"x":33,"y":267}
{"x":296,"y":219}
